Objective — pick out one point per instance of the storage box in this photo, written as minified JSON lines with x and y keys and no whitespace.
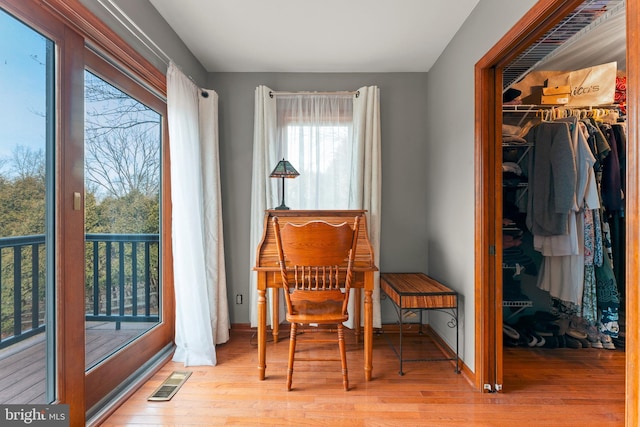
{"x":556,"y":90}
{"x":555,"y":99}
{"x":589,"y":86}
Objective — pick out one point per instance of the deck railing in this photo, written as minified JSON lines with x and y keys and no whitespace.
{"x":121,"y":282}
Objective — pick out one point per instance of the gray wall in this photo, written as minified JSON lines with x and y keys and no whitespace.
{"x":427,"y":142}
{"x":450,"y":184}
{"x":403,"y":112}
{"x":403,"y":98}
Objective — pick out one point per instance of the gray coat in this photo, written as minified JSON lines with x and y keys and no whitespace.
{"x":552,"y":179}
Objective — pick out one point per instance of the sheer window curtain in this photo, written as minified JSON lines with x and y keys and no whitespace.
{"x":202,"y":314}
{"x":329,"y":139}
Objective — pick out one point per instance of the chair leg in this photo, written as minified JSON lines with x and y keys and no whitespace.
{"x":292,"y":351}
{"x":343,"y":357}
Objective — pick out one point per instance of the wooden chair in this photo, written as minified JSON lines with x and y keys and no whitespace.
{"x":316,"y":264}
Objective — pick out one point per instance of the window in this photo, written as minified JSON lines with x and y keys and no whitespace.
{"x":315,"y":134}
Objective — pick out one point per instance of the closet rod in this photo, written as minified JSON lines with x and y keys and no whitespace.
{"x":344,"y":92}
{"x":527,"y":108}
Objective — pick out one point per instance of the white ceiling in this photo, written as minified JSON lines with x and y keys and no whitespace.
{"x":316,"y":35}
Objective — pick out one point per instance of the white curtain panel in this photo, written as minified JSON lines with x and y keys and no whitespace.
{"x":202,"y":316}
{"x":262,"y":194}
{"x":366,"y":183}
{"x":216,"y":276}
{"x":328,"y":138}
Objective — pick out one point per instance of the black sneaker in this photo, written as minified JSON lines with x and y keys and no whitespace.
{"x":572,"y":342}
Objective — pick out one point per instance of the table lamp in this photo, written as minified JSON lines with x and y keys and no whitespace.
{"x":283,"y":170}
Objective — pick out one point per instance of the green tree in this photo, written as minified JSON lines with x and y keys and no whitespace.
{"x":22,"y":193}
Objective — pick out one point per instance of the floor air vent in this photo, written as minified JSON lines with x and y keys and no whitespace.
{"x":170,"y":386}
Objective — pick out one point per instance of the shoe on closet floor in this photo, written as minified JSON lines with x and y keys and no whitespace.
{"x":510,"y":332}
{"x":578,"y":327}
{"x":540,"y":341}
{"x":562,"y":341}
{"x":585,"y":342}
{"x":594,"y":337}
{"x":619,"y":342}
{"x":607,"y":342}
{"x":563,"y":326}
{"x":550,"y":341}
{"x":572,"y":342}
{"x":530,"y":338}
{"x":511,"y":337}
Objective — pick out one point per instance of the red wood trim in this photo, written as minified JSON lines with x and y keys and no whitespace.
{"x":488,"y":79}
{"x":70,"y":230}
{"x":632,"y":302}
{"x":103,"y":38}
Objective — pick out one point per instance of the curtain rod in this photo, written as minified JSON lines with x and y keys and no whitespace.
{"x":273,"y":93}
{"x":128,"y":23}
{"x":124,"y":19}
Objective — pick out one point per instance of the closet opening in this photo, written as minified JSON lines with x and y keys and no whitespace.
{"x":564,"y":140}
{"x":564,"y":289}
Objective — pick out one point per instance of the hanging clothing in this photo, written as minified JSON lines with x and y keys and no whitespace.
{"x":552,"y":179}
{"x":608,"y":299}
{"x":589,"y":296}
{"x":587,"y":196}
{"x":611,"y":185}
{"x":597,"y":143}
{"x":563,"y":265}
{"x":563,"y":276}
{"x":613,"y":189}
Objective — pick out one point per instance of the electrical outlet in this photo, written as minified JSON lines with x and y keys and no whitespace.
{"x":239,"y":299}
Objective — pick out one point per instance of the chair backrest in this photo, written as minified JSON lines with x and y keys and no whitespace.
{"x":319,"y":256}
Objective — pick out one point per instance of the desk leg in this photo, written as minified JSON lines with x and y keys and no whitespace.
{"x":368,"y":334}
{"x":357,"y":315}
{"x":275,"y":313}
{"x":262,"y":333}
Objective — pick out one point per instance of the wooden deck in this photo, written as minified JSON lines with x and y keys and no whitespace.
{"x":23,"y":365}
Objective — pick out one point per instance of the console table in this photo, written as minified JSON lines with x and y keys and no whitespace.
{"x":417,"y":291}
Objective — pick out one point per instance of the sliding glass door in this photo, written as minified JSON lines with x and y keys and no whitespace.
{"x":27,"y":309}
{"x":124,"y":297}
{"x":83,"y":308}
{"x":122,"y":145}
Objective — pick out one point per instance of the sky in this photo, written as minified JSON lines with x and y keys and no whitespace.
{"x":22,"y":86}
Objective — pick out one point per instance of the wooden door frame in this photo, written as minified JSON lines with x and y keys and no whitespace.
{"x":488,"y":234}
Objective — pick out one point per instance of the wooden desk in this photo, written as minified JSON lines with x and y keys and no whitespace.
{"x":269,"y":276}
{"x":417,"y":291}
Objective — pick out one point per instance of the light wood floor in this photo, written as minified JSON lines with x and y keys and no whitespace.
{"x":543,"y":387}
